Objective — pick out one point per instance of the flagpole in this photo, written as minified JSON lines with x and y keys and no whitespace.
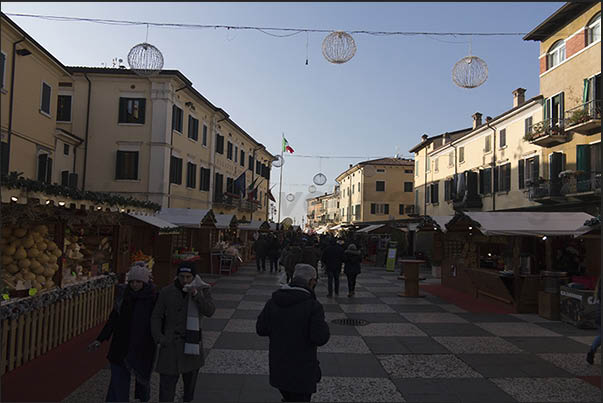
{"x":280,"y":185}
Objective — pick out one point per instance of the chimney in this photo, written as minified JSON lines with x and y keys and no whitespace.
{"x":446,"y":138}
{"x":519,"y":97}
{"x":424,"y":137}
{"x":477,"y":119}
{"x":350,"y":165}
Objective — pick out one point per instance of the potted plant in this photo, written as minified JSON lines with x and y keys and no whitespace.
{"x":579,"y":116}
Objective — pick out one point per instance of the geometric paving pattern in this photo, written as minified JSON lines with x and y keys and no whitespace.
{"x":413,"y":350}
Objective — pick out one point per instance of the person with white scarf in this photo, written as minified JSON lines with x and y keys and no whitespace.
{"x":176,"y":327}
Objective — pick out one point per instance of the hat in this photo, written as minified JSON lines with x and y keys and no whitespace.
{"x":352,"y":247}
{"x":186,"y":267}
{"x":139,"y":273}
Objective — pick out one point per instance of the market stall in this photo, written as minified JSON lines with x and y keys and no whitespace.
{"x":248,"y":233}
{"x":376,"y":239}
{"x":508,"y":256}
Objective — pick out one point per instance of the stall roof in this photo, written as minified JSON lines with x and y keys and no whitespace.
{"x":442,"y":220}
{"x":371,"y":228}
{"x":251,"y":226}
{"x":531,"y":223}
{"x":224,"y":221}
{"x":183,"y":217}
{"x":153,"y":220}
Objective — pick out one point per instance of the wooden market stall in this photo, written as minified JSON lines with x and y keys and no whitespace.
{"x":375,"y":239}
{"x":508,"y":256}
{"x":248,"y":233}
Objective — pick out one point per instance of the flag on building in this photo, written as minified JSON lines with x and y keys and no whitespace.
{"x":286,"y":146}
{"x":270,"y":196}
{"x":239,"y":185}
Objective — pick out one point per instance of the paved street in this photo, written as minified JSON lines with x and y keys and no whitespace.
{"x":414,"y":350}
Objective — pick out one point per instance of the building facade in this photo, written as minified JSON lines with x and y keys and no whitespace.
{"x":376,"y":190}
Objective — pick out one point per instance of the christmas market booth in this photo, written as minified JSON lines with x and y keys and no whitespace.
{"x":518,"y":258}
{"x":376,"y":239}
{"x":248,"y":233}
{"x":226,"y":253}
{"x":61,"y":256}
{"x":193,"y":243}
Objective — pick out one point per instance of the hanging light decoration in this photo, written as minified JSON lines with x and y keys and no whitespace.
{"x":278,"y":161}
{"x":470,"y":72}
{"x":290,"y":197}
{"x":319,"y":179}
{"x":338,"y":47}
{"x":145,"y":59}
{"x":312,"y":189}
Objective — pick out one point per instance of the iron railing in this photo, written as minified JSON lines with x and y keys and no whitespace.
{"x":583,"y":113}
{"x":548,"y":127}
{"x":576,"y":184}
{"x":538,"y":190}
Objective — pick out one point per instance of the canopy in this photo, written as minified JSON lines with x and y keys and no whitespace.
{"x":251,"y":226}
{"x":224,"y":221}
{"x":531,"y":223}
{"x":184,"y":217}
{"x":371,"y":228}
{"x":153,"y":220}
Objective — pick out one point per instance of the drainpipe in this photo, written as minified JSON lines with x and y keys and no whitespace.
{"x":425,"y":184}
{"x":493,"y":163}
{"x":10,"y":108}
{"x":87,"y":131}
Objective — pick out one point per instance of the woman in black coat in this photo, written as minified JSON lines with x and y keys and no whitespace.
{"x":352,"y":258}
{"x":132,"y":349}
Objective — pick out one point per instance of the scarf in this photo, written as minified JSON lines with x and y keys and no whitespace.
{"x":192,"y":337}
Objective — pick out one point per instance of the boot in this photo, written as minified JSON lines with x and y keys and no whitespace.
{"x":590,"y":357}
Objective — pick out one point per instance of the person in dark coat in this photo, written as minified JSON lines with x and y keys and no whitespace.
{"x":176,"y":327}
{"x":352,"y":258}
{"x":274,"y":252}
{"x":294,"y":320}
{"x":260,"y":247}
{"x":132,"y":347}
{"x":332,"y":258}
{"x":590,"y":356}
{"x":292,"y":257}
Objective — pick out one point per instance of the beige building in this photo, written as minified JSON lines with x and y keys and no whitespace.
{"x":569,"y":130}
{"x":31,"y":102}
{"x":323,"y":210}
{"x":314,"y":212}
{"x":376,"y":190}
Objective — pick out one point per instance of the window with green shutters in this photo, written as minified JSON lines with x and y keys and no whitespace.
{"x":126,"y":165}
{"x":191,"y":175}
{"x":177,"y":117}
{"x":45,"y":101}
{"x":204,"y":177}
{"x":193,"y":128}
{"x":131,"y":110}
{"x":176,"y":170}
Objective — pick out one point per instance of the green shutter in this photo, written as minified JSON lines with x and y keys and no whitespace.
{"x":585,"y":91}
{"x":583,"y":158}
{"x":521,"y":170}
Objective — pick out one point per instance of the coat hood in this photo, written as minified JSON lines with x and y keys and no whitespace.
{"x":288,"y":296}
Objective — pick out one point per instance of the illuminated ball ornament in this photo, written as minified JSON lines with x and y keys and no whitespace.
{"x":312,"y":189}
{"x":319,"y":179}
{"x":145,"y":59}
{"x":470,"y":72}
{"x":278,"y":161}
{"x":290,"y":197}
{"x":338,"y":47}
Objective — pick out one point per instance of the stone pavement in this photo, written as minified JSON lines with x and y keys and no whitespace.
{"x":414,"y":350}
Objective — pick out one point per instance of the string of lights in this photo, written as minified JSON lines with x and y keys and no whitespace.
{"x":343,"y":156}
{"x":291,"y":31}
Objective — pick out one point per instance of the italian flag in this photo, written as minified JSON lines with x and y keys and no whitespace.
{"x":286,"y":146}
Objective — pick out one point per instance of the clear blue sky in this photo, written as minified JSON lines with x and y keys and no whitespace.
{"x":381,"y":102}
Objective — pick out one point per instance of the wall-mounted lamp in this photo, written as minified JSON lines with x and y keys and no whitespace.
{"x":23,"y":52}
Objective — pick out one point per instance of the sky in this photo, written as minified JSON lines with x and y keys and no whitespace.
{"x":379,"y":104}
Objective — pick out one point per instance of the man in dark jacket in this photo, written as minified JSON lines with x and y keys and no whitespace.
{"x":351,"y":268}
{"x":260,"y":247}
{"x":295,"y":322}
{"x":274,"y":252}
{"x":332,"y":258}
{"x":175,"y":325}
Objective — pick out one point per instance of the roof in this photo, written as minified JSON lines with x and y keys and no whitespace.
{"x":371,"y":228}
{"x":379,"y":161}
{"x":440,"y":221}
{"x":530,"y":223}
{"x":224,"y":221}
{"x":453,"y":135}
{"x":567,"y":13}
{"x":251,"y":226}
{"x":68,"y":133}
{"x":153,"y":220}
{"x":189,"y":218}
{"x":34,"y":42}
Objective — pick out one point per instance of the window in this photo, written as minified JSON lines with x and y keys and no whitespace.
{"x":401,"y":209}
{"x":64,"y":178}
{"x":485,"y":181}
{"x":416,"y":167}
{"x":380,"y":186}
{"x":408,"y":171}
{"x":250,"y":166}
{"x":385,"y":208}
{"x":219,"y":144}
{"x":45,"y":101}
{"x":230,"y":185}
{"x":433,"y":192}
{"x":379,"y":209}
{"x":126,"y":165}
{"x":242,"y":159}
{"x":435,"y":164}
{"x":529,"y":171}
{"x":64,"y":108}
{"x":556,"y":54}
{"x":236,"y":153}
{"x":357,"y":210}
{"x":428,"y":164}
{"x":131,"y":110}
{"x":451,"y":159}
{"x":193,"y":128}
{"x":502,"y":138}
{"x":380,"y":170}
{"x":408,"y":186}
{"x":66,"y":149}
{"x":359,"y":188}
{"x":487,"y":145}
{"x":528,"y":126}
{"x":502,"y":178}
{"x":554,"y":110}
{"x":176,"y":170}
{"x":204,"y":176}
{"x":461,"y":154}
{"x":449,"y":190}
{"x":191,"y":175}
{"x":218,"y":186}
{"x":177,"y":116}
{"x":204,"y":135}
{"x":593,"y":30}
{"x":258,"y":167}
{"x":2,"y":68}
{"x":229,"y":150}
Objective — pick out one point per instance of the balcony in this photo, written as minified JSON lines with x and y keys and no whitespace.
{"x":545,"y":191}
{"x":585,"y":119}
{"x":231,"y":201}
{"x":547,"y":133}
{"x":469,"y":202}
{"x":409,"y":210}
{"x":581,"y":186}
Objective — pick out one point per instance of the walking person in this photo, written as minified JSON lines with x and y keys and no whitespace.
{"x":332,"y":259}
{"x":351,"y":268}
{"x":274,"y":251}
{"x":176,"y":327}
{"x":590,"y":356}
{"x":260,"y":247}
{"x":132,"y":347}
{"x":294,"y":320}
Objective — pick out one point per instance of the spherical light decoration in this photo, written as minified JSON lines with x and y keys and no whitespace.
{"x":278,"y":161}
{"x":145,"y":59}
{"x":312,"y":189}
{"x":290,"y":197}
{"x":338,"y":47}
{"x":470,"y":72}
{"x":319,"y":179}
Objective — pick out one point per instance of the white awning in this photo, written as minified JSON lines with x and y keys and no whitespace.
{"x":183,"y":217}
{"x":531,"y":223}
{"x":442,"y":220}
{"x":153,"y":220}
{"x":371,"y":228}
{"x":223,"y":221}
{"x":335,"y":228}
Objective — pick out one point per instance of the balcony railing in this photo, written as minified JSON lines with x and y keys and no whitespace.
{"x":547,"y":133}
{"x":579,"y":184}
{"x":545,"y":191}
{"x":585,"y":118}
{"x":409,"y":210}
{"x":231,"y":201}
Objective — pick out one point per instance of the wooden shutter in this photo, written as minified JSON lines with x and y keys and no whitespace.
{"x":45,"y":98}
{"x":72,"y":180}
{"x":488,"y":180}
{"x":481,"y":182}
{"x":142,"y":102}
{"x":536,"y":168}
{"x":386,"y":208}
{"x":64,"y":178}
{"x":119,"y":164}
{"x":436,"y":189}
{"x":174,"y":117}
{"x":496,"y":173}
{"x":507,"y":173}
{"x":428,"y":193}
{"x":521,"y":171}
{"x":373,"y":208}
{"x":4,"y":158}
